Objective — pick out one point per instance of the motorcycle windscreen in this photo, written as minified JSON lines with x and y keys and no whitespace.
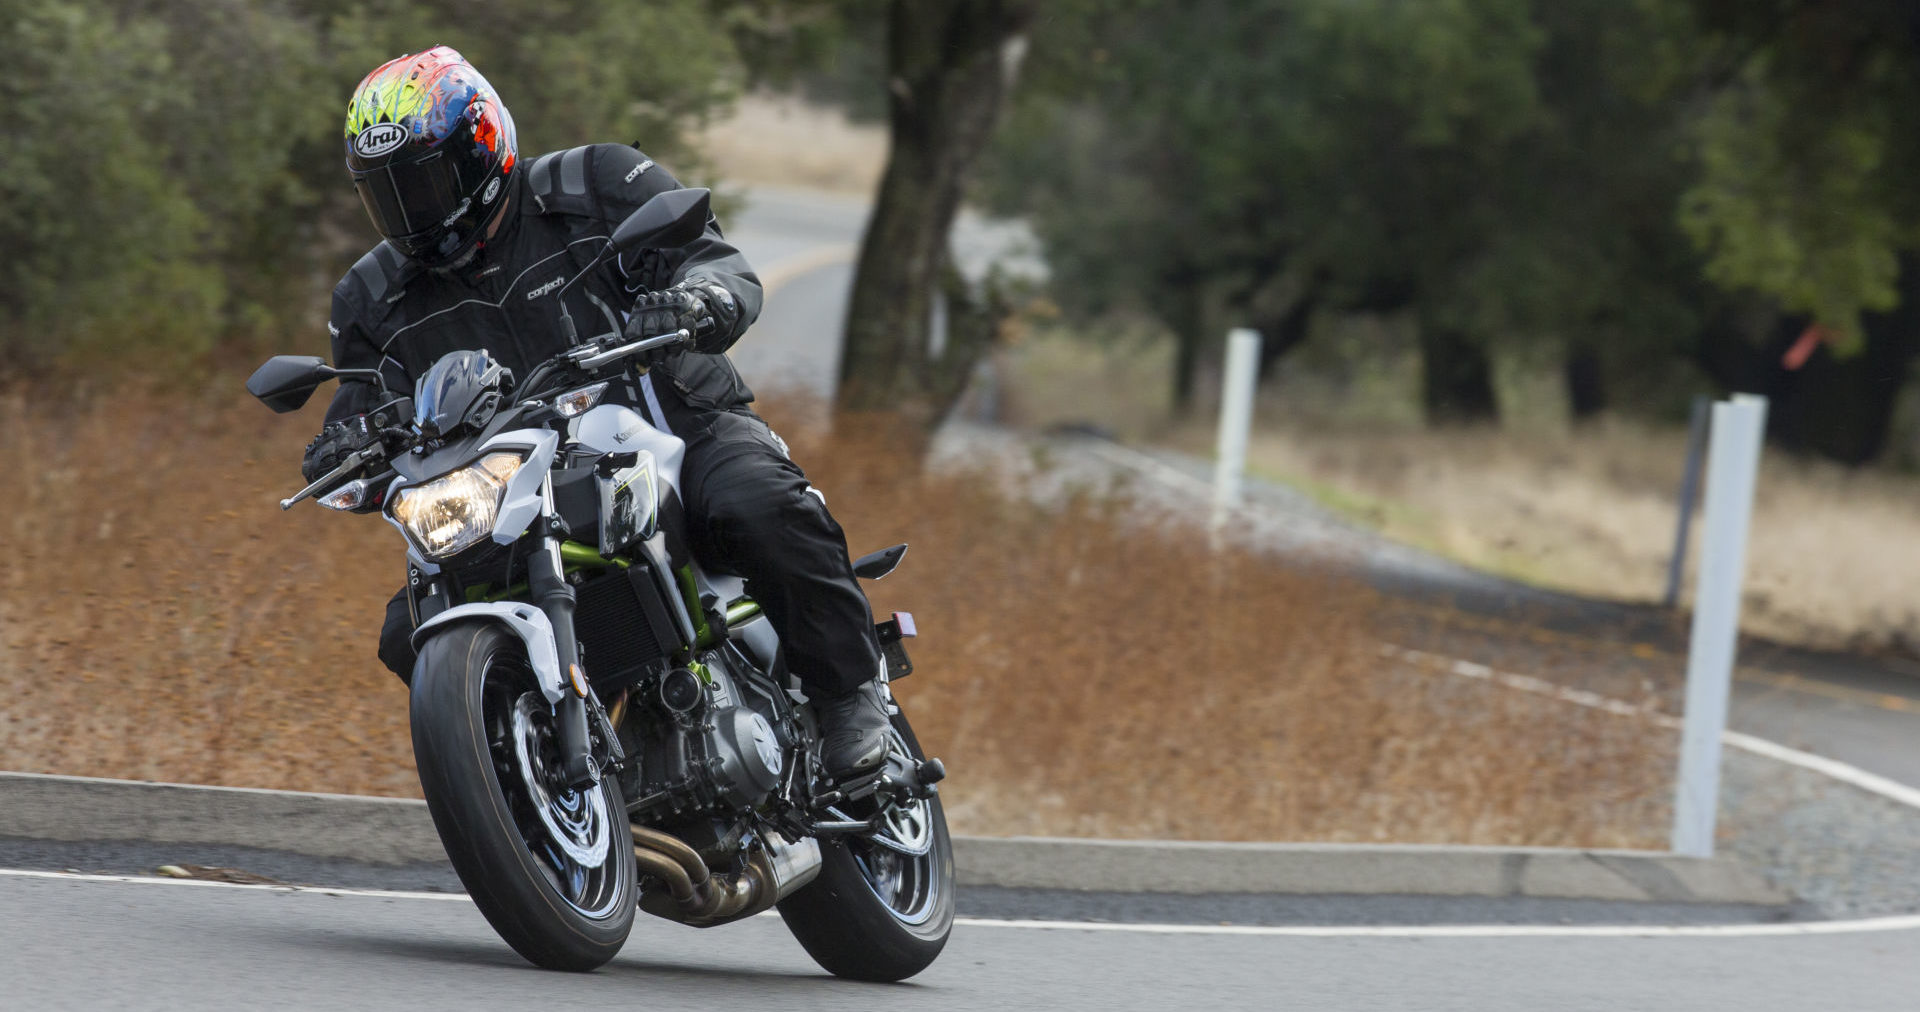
{"x":447,"y":391}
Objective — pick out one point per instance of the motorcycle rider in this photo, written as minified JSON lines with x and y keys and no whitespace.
{"x":478,"y":243}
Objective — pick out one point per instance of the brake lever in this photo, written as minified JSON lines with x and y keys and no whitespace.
{"x":595,"y":361}
{"x":353,"y":463}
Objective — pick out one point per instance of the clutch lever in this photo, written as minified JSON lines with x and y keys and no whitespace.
{"x":353,"y":463}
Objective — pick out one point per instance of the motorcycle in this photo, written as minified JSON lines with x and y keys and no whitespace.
{"x":601,"y":723}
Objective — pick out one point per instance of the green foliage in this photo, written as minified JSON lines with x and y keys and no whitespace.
{"x":1808,"y":148}
{"x":95,"y":221}
{"x":1486,"y":164}
{"x":173,"y":172}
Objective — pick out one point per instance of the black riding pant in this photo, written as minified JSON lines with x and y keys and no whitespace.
{"x":750,"y":511}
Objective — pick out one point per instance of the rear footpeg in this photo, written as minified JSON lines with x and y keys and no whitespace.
{"x":900,"y":778}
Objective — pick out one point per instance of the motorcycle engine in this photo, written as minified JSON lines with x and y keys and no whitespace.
{"x":714,"y":744}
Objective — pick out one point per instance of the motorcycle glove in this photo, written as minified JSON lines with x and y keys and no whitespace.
{"x":336,"y":441}
{"x":697,"y":306}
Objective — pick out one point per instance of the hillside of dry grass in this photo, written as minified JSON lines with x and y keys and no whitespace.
{"x":1590,"y":510}
{"x":1081,"y":673}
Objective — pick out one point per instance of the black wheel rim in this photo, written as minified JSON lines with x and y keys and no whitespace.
{"x":568,"y":833}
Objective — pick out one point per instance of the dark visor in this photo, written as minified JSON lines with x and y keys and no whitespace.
{"x":415,"y":197}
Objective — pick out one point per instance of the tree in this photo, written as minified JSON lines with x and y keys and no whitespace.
{"x":950,"y":66}
{"x":172,"y":173}
{"x":1501,"y":171}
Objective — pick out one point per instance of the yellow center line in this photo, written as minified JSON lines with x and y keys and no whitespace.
{"x":785,"y":271}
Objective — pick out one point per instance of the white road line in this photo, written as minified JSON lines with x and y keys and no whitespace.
{"x":1846,"y":773}
{"x":1859,"y":926}
{"x":386,"y":894}
{"x":1892,"y":790}
{"x":1872,"y":924}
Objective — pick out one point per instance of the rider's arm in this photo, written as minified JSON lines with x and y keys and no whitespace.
{"x":353,"y":348}
{"x":624,"y":179}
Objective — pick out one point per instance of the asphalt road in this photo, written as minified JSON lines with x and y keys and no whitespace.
{"x":104,"y":944}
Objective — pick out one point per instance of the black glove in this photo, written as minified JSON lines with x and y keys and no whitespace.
{"x":666,"y":311}
{"x":699,"y":306}
{"x":336,"y":441}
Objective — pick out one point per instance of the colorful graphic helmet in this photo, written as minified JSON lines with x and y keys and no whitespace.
{"x":431,"y":148}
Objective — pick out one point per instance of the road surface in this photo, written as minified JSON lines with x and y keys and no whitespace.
{"x":107,"y":944}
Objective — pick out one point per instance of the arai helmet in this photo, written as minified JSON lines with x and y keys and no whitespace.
{"x":431,"y":149}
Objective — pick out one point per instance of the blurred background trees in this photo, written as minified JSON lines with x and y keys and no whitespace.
{"x":173,"y":178}
{"x":1647,"y":198}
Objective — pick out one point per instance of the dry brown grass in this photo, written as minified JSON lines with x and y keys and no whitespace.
{"x":782,"y":140}
{"x":1081,"y":672}
{"x":1835,"y":552}
{"x":164,"y":620}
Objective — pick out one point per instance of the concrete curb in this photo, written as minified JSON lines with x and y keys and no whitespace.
{"x":399,"y":831}
{"x":1356,"y":869}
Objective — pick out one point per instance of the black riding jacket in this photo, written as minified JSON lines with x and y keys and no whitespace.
{"x":391,"y":314}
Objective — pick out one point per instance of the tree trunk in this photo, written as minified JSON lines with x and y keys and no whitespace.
{"x":1284,"y":333}
{"x":1456,"y":378}
{"x":950,"y":65}
{"x":1840,"y":407}
{"x":1586,"y":383}
{"x":1182,"y":308}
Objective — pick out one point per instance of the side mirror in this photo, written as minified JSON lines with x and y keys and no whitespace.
{"x":284,"y":382}
{"x":673,"y":218}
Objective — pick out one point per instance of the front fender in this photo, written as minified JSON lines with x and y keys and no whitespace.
{"x":526,"y":622}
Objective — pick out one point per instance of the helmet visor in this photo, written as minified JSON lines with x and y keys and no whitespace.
{"x":411,"y":198}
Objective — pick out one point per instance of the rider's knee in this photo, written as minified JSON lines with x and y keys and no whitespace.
{"x":396,"y":636}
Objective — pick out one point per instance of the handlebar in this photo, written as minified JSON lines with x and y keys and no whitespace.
{"x":587,"y":356}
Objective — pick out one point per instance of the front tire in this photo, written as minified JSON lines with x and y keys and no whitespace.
{"x":551,"y":870}
{"x":876,"y":912}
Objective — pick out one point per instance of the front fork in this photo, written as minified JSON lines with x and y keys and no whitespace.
{"x":546,"y":580}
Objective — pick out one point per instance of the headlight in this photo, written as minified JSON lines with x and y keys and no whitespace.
{"x":450,"y":514}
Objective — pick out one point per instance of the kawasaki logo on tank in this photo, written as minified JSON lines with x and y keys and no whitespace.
{"x":379,"y":139}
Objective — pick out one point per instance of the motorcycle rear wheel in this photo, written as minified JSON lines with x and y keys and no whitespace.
{"x":878,"y":912}
{"x":551,"y":870}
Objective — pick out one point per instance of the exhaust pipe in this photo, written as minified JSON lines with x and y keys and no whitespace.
{"x":698,"y":898}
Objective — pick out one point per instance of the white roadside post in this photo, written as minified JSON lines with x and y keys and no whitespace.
{"x":1733,"y":462}
{"x":1236,"y":417}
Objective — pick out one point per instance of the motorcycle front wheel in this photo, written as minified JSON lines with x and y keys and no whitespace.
{"x":549,"y":868}
{"x":882,"y":906}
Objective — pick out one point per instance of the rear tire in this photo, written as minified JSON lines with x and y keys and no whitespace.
{"x":845,"y":925}
{"x":474,"y":699}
